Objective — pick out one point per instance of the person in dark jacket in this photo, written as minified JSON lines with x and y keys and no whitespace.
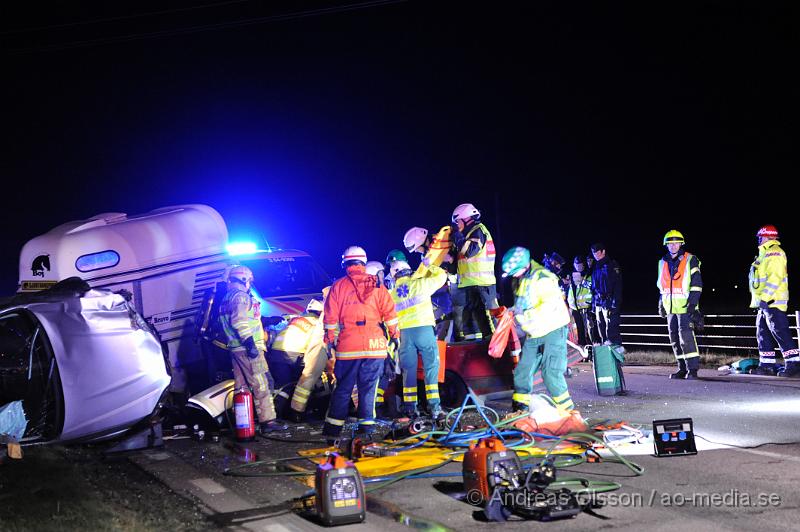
{"x":606,"y":295}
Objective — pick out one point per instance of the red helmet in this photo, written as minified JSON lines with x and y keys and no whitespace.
{"x":768,"y":231}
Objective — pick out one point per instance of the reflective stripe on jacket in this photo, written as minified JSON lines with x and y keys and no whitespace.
{"x":298,"y":334}
{"x":477,"y":270}
{"x":679,"y":282}
{"x":583,"y":298}
{"x":240,"y":318}
{"x":354,"y":310}
{"x":412,"y":297}
{"x":539,"y":305}
{"x":769,"y":278}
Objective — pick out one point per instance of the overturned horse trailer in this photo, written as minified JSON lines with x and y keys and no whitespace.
{"x":167,"y":260}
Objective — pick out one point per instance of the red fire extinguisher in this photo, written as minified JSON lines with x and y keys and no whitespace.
{"x":243,"y":413}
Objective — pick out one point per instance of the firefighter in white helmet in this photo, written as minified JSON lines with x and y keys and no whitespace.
{"x":355,"y":309}
{"x":240,"y":319}
{"x":412,"y":299}
{"x":302,"y":344}
{"x":477,"y":294}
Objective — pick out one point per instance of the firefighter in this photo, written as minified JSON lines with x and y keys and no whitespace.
{"x":769,"y":293}
{"x":240,"y":319}
{"x":301,"y":344}
{"x":541,"y":313}
{"x":680,"y":285}
{"x":476,"y":294}
{"x":606,"y":295}
{"x":417,"y":240}
{"x":355,"y":308}
{"x":412,"y":299}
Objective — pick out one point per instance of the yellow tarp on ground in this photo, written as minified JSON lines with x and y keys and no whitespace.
{"x":426,"y":455}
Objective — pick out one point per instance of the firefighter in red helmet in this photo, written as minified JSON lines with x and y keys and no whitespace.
{"x":769,"y":293}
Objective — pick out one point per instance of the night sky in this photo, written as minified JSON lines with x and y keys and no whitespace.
{"x":563,"y":123}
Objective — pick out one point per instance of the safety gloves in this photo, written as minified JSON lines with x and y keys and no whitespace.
{"x":250,"y":345}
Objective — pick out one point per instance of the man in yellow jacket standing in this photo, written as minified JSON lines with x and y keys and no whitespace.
{"x":412,"y":300}
{"x":769,"y":293}
{"x":540,"y":311}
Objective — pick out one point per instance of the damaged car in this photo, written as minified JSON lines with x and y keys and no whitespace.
{"x":82,"y":361}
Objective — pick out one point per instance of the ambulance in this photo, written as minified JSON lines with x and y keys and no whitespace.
{"x":165,"y":262}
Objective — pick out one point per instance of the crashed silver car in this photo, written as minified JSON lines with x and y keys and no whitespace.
{"x":84,"y":364}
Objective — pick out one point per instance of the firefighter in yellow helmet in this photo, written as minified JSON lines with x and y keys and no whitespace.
{"x":769,"y":291}
{"x":680,"y":285}
{"x":240,"y":319}
{"x":476,"y":295}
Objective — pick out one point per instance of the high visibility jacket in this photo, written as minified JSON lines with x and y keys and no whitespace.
{"x":240,"y":318}
{"x":679,"y":282}
{"x":301,"y":332}
{"x":412,"y":297}
{"x":580,"y":297}
{"x":769,"y":279}
{"x":355,"y":308}
{"x":479,"y":269}
{"x":539,"y":306}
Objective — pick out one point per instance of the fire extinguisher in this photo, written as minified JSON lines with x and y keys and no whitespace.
{"x":243,"y":414}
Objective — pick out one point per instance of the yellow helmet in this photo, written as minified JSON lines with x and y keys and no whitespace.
{"x":674,"y":237}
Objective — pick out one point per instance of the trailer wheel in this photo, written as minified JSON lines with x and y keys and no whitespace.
{"x":453,"y":390}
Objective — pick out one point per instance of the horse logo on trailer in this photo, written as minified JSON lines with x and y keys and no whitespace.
{"x":39,"y":265}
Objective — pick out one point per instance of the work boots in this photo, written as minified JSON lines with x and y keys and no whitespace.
{"x":516,"y":406}
{"x":272,"y":426}
{"x":767,"y":370}
{"x":682,"y":372}
{"x":792,"y":369}
{"x":692,"y":365}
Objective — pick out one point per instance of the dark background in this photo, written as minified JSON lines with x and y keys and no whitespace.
{"x":320,"y":125}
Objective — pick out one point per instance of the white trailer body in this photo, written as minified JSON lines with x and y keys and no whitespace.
{"x":166,"y":259}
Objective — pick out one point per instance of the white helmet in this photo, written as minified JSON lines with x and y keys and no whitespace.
{"x":397,"y":267}
{"x":354,"y":253}
{"x":241,"y":274}
{"x":315,"y":305}
{"x":464,"y":211}
{"x":414,"y":238}
{"x":374,"y":267}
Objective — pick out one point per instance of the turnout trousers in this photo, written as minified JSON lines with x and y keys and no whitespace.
{"x":548,"y":353}
{"x":361,"y":372}
{"x":252,"y":373}
{"x":314,"y":365}
{"x":684,"y":343}
{"x":772,"y":330}
{"x":423,"y":340}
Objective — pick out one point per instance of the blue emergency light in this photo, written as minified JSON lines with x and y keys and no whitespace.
{"x":241,"y":248}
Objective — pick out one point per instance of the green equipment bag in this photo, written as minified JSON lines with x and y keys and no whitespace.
{"x":607,"y":361}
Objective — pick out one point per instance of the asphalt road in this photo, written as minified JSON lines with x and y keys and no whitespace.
{"x":720,"y":488}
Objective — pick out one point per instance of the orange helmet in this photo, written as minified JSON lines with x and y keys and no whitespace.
{"x":768,"y":231}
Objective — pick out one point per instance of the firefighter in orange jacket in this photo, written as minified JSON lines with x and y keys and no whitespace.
{"x":354,"y":310}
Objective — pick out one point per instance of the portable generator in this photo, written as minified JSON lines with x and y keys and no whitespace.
{"x":488,"y":464}
{"x":340,"y":495}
